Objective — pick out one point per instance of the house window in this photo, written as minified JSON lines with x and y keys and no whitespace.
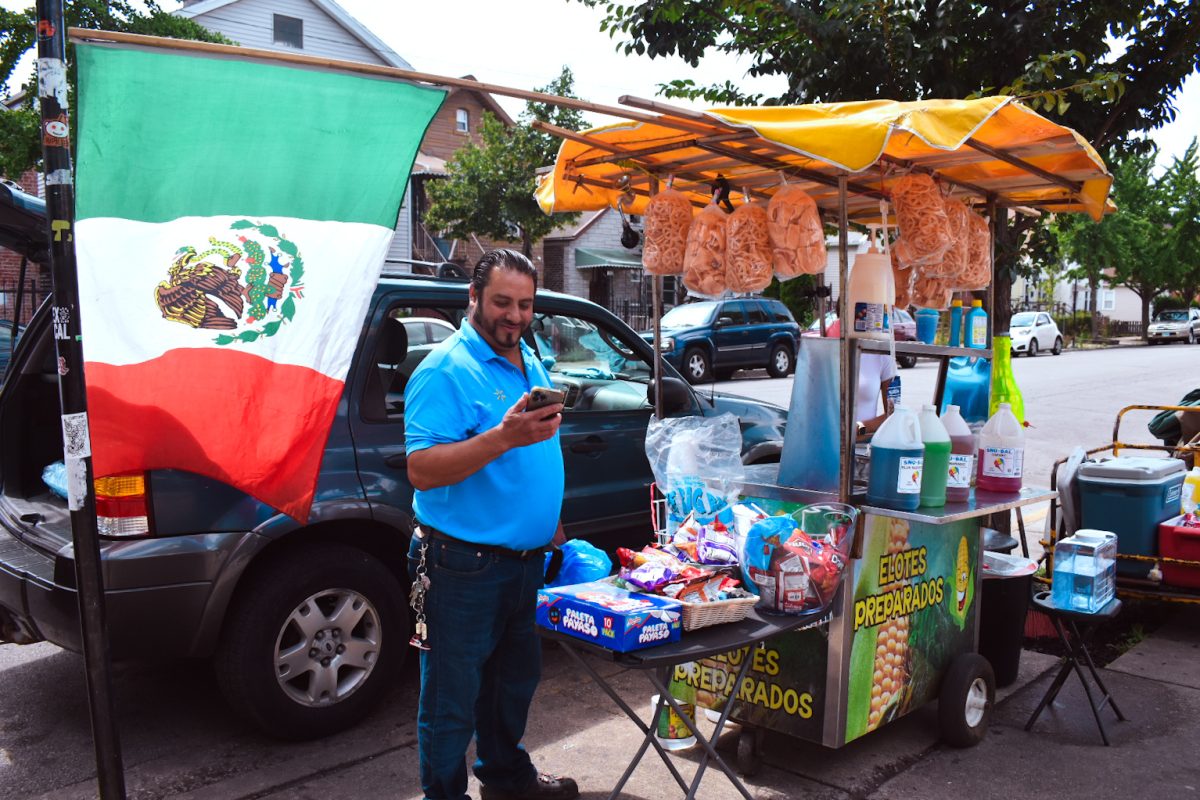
{"x":1108,"y":299}
{"x":462,"y":121}
{"x":289,"y":31}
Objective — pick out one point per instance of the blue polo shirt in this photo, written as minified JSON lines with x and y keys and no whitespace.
{"x":460,"y":390}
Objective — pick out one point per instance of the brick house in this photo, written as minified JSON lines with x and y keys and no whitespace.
{"x":30,"y":280}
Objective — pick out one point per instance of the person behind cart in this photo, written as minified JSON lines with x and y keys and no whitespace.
{"x":489,"y":485}
{"x":876,"y":371}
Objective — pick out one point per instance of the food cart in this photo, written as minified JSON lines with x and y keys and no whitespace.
{"x":904,"y":628}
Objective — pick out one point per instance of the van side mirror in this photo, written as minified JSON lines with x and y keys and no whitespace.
{"x":723,"y":321}
{"x":676,"y":394}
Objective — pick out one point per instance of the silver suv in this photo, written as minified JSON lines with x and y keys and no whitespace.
{"x":1175,"y":325}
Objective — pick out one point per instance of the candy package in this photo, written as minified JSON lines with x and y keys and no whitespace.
{"x":791,"y":570}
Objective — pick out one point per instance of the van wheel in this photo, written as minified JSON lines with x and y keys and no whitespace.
{"x":696,"y":367}
{"x":312,"y":642}
{"x":780,"y":363}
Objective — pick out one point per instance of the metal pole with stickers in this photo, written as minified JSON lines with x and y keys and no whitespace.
{"x":68,"y":342}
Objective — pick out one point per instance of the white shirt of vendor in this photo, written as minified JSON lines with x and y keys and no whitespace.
{"x":873,"y":369}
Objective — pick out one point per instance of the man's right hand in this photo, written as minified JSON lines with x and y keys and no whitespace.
{"x":520,"y":427}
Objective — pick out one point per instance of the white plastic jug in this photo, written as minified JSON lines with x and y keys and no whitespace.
{"x":869,"y":302}
{"x":1001,"y":452}
{"x":962,"y":456}
{"x":897,"y":460}
{"x":937,"y":458}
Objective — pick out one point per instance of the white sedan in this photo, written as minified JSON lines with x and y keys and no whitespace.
{"x":1033,"y":331}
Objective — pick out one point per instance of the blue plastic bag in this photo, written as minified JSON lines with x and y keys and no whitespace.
{"x":55,"y":478}
{"x":581,"y":563}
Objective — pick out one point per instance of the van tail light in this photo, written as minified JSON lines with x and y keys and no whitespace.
{"x":122,"y":506}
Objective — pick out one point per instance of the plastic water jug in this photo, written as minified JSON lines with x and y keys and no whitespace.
{"x":1085,"y":571}
{"x":1190,"y":497}
{"x":897,"y":459}
{"x":868,"y":298}
{"x":927,"y":322}
{"x":976,"y":334}
{"x":962,"y":456}
{"x":937,"y":458}
{"x":967,"y":386}
{"x":1001,"y":453}
{"x":956,"y":314}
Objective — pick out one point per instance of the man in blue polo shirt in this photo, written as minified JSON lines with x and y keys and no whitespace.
{"x":488,"y":476}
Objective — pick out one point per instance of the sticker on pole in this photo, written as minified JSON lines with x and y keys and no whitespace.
{"x":77,"y":488}
{"x":77,"y":442}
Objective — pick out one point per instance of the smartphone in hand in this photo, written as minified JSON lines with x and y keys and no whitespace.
{"x":540,"y":396}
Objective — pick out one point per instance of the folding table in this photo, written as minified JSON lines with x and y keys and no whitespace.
{"x":658,"y":662}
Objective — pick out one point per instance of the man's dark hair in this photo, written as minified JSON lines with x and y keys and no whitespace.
{"x":501,"y":258}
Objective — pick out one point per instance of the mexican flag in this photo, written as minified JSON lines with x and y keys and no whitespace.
{"x":232,"y":221}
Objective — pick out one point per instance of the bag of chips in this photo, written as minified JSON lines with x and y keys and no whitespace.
{"x":665,"y":230}
{"x":704,"y":259}
{"x":796,"y":233}
{"x":747,"y":250}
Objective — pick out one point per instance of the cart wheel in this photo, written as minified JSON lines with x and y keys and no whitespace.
{"x":749,"y":750}
{"x":966,"y":699}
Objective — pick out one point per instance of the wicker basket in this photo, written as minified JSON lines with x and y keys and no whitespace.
{"x":701,"y":615}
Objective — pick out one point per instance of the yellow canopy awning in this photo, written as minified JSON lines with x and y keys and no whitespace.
{"x":988,"y":149}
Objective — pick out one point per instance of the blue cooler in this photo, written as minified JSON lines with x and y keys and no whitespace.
{"x":1130,"y":496}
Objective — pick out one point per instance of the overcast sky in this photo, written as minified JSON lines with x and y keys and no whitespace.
{"x":524,"y":44}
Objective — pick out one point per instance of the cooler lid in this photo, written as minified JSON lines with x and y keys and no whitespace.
{"x":1132,"y":468}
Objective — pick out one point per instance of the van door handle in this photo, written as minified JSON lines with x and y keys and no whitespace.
{"x":397,"y":460}
{"x":592,"y":444}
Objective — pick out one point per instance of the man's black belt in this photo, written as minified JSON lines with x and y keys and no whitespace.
{"x":523,"y":555}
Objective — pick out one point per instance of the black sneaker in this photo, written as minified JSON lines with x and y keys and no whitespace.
{"x":546,"y":787}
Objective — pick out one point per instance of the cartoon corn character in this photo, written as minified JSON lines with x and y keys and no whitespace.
{"x":962,"y":574}
{"x":891,"y":643}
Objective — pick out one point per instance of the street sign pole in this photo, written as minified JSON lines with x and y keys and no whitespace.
{"x":68,"y":343}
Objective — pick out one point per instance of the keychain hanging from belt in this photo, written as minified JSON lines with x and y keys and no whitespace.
{"x":416,"y":597}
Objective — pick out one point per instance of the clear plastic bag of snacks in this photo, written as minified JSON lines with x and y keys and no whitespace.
{"x":704,"y":259}
{"x":796,"y":233}
{"x":747,"y":249}
{"x":921,"y":217}
{"x":665,"y":230}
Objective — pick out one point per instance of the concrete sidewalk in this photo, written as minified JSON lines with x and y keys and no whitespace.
{"x":576,"y":730}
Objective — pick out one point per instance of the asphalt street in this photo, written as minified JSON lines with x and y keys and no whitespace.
{"x":179,"y":738}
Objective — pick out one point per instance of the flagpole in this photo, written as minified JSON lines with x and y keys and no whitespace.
{"x":68,"y":343}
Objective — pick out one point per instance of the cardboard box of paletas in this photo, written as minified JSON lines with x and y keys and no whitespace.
{"x":611,"y":617}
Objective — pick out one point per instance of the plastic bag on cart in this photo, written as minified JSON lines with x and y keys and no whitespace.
{"x":797,"y":567}
{"x":578,"y":562}
{"x":697,"y":464}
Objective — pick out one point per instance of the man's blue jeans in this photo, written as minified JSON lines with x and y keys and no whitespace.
{"x":482,"y":667}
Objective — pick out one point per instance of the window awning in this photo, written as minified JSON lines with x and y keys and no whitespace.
{"x":593,"y":257}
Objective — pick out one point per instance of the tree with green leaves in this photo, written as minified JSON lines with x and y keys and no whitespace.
{"x":1057,"y":56}
{"x":20,"y":143}
{"x":1144,"y":246}
{"x":489,"y":189}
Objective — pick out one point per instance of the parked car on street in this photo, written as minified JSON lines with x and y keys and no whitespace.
{"x":714,"y":338}
{"x":1033,"y":331}
{"x":904,"y":329}
{"x":217,"y":574}
{"x":1175,"y":325}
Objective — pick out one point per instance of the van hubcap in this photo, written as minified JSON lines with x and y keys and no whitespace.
{"x":328,"y":647}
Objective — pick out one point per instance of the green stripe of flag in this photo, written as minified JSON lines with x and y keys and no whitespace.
{"x":164,"y":135}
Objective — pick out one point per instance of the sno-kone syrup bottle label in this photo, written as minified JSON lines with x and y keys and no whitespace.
{"x":909,"y":479}
{"x":1003,"y":462}
{"x":959,"y":476}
